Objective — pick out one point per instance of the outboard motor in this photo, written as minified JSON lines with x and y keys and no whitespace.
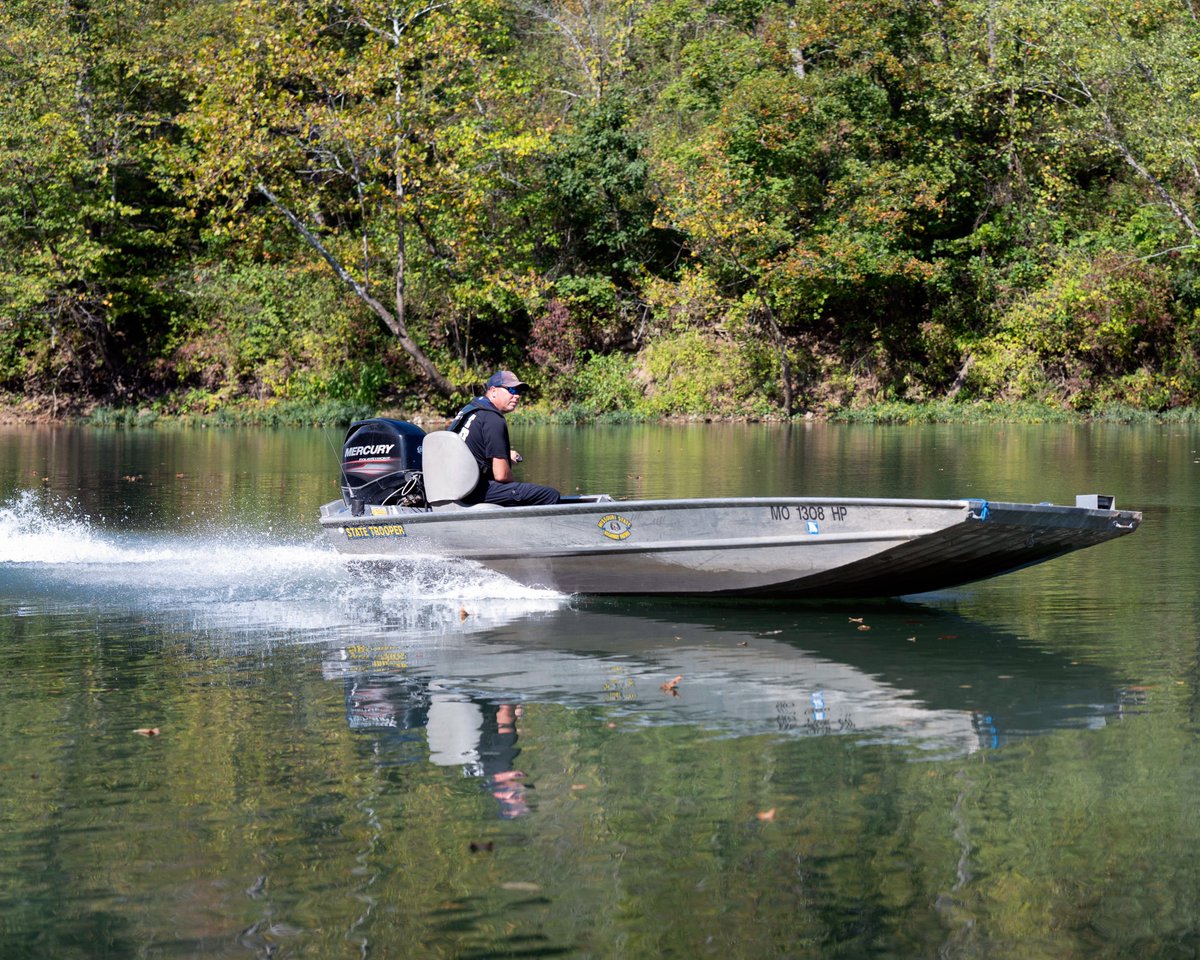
{"x":381,"y":464}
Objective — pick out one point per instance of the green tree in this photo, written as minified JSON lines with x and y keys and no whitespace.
{"x":86,"y":234}
{"x":369,"y":127}
{"x":1113,"y":82}
{"x":820,"y":182}
{"x":1082,"y":142}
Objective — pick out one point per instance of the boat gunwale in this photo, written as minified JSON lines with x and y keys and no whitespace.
{"x":341,"y":517}
{"x":338,"y":515}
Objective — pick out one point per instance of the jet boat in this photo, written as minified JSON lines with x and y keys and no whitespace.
{"x":403,"y":498}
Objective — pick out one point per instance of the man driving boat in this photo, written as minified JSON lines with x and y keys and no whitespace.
{"x":482,"y":426}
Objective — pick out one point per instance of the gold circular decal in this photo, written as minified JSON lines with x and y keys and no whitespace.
{"x":615,"y":527}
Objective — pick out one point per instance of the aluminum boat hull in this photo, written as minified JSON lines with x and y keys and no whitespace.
{"x":757,"y":547}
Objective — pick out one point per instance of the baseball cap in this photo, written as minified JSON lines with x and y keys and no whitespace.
{"x":505,"y":378}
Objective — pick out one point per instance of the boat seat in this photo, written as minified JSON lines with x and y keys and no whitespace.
{"x":449,"y":469}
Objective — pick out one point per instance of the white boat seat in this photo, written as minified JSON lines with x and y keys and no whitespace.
{"x":449,"y":468}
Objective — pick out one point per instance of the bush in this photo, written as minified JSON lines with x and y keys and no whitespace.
{"x":606,"y":383}
{"x":266,"y":330}
{"x":691,"y":372}
{"x":1094,"y":320}
{"x":329,"y":413}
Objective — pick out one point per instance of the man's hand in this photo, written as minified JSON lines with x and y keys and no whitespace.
{"x":514,"y":456}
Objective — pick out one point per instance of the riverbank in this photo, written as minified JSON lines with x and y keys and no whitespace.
{"x":276,"y":414}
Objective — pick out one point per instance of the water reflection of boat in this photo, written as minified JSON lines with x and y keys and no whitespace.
{"x":916,"y":676}
{"x":402,"y":493}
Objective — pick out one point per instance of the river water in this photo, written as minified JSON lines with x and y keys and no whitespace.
{"x":219,"y":740}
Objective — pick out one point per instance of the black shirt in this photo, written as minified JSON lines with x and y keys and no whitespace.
{"x":485,"y":433}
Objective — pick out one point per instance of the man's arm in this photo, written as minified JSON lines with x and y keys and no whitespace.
{"x":501,"y":470}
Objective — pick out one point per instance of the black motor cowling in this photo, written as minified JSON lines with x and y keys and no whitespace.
{"x":381,"y":463}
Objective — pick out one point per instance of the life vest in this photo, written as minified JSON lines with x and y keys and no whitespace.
{"x":460,"y":418}
{"x":475,"y":406}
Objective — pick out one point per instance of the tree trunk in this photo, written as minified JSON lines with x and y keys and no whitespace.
{"x":394,"y":321}
{"x":785,"y":365}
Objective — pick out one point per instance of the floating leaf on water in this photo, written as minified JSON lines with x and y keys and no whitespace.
{"x":462,"y":613}
{"x":743,"y":643}
{"x":147,"y":731}
{"x":863,"y":626}
{"x":671,"y":685}
{"x":766,"y":815}
{"x":857,"y":619}
{"x":522,"y":885}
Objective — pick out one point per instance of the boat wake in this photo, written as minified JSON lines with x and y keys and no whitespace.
{"x":52,"y":557}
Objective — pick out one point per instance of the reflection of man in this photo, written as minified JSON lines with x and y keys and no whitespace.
{"x":483,"y":428}
{"x":478,"y":737}
{"x":507,"y":784}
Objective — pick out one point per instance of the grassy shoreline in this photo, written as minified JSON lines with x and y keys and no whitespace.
{"x":25,"y":411}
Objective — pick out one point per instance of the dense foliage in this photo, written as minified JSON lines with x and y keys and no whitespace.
{"x":649,"y":206}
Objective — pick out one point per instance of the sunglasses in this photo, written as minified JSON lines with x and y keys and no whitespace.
{"x":515,"y":391}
